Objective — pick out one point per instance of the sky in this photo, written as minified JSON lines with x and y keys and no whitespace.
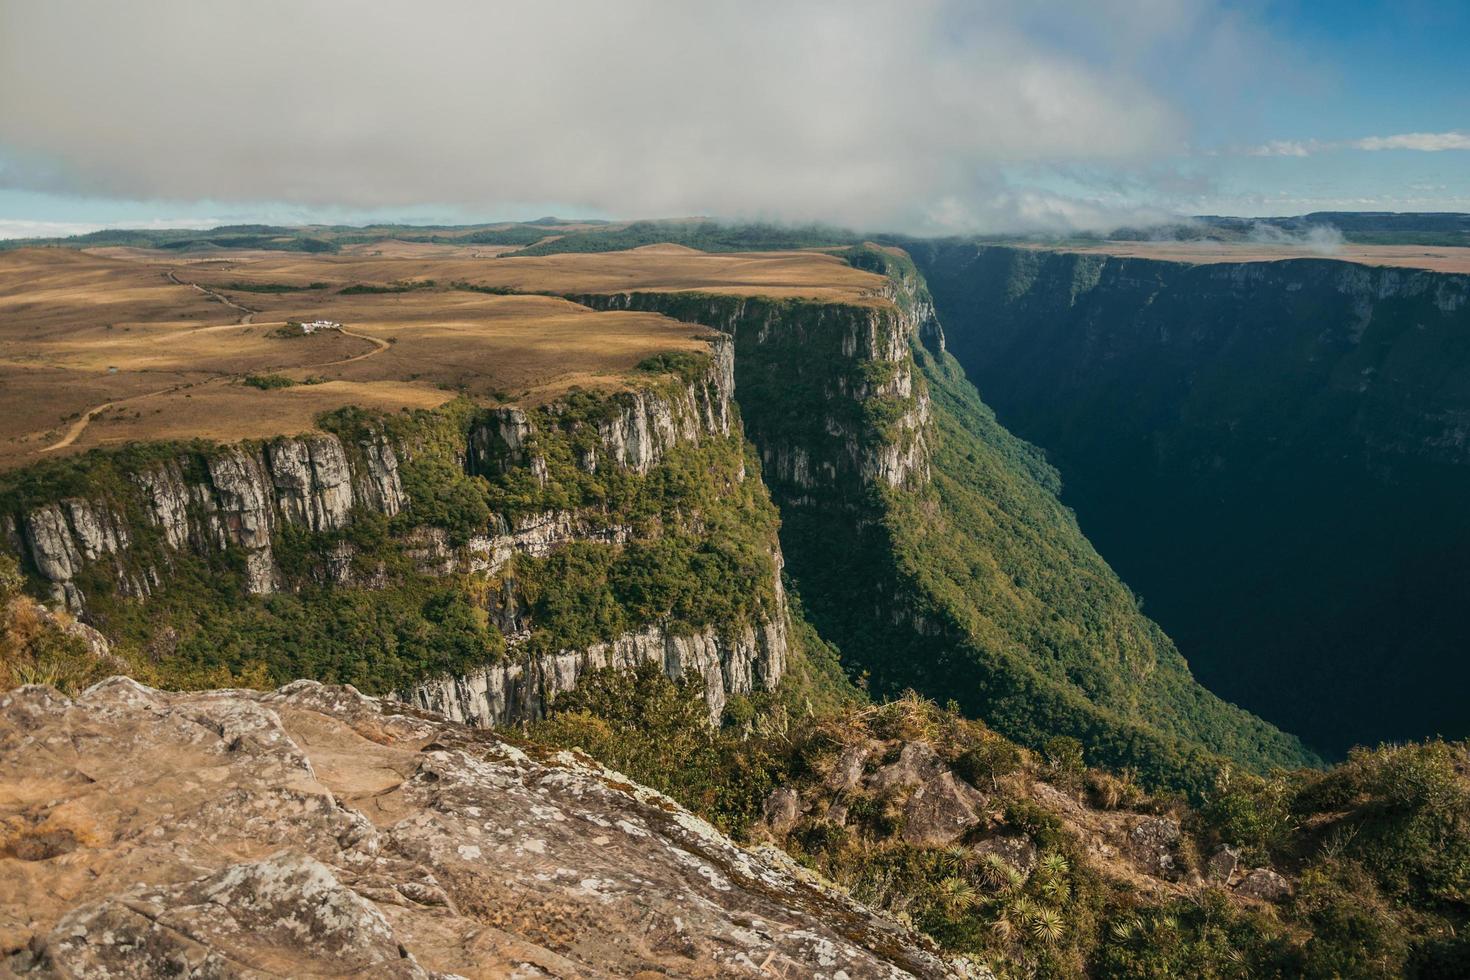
{"x":927,"y":116}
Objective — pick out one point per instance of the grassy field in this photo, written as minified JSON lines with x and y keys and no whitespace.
{"x":121,"y":344}
{"x":809,"y":274}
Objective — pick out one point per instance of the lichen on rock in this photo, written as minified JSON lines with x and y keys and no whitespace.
{"x":312,"y":831}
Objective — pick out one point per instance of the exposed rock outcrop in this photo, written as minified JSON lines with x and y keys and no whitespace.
{"x":240,"y":496}
{"x":1264,"y":884}
{"x":738,"y":661}
{"x":1152,"y":842}
{"x":858,"y":355}
{"x":782,"y":809}
{"x":941,"y":810}
{"x":536,"y":535}
{"x":313,"y":831}
{"x":236,"y":497}
{"x":1018,"y":853}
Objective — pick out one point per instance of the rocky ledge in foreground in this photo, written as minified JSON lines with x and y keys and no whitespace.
{"x":316,"y":832}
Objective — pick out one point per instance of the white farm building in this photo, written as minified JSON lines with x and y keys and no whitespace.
{"x":312,"y":326}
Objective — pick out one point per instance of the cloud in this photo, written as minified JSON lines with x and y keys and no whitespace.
{"x":1421,"y":142}
{"x":865,"y":112}
{"x":1319,"y":239}
{"x":1285,"y":148}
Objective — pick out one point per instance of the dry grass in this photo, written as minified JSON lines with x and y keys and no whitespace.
{"x":1431,"y":257}
{"x":392,"y":248}
{"x":80,"y":331}
{"x":101,"y":347}
{"x":808,"y":274}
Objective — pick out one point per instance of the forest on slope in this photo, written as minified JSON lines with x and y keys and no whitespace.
{"x":1272,"y":455}
{"x":970,"y":582}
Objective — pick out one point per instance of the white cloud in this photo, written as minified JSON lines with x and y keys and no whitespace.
{"x":1319,"y":239}
{"x":866,"y":112}
{"x":1285,"y":148}
{"x":1422,"y":142}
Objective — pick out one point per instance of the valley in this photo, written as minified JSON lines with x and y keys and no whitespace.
{"x":1271,"y":453}
{"x":847,"y":491}
{"x":742,"y":511}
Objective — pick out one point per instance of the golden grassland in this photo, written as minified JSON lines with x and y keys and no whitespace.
{"x":806,"y":273}
{"x":1436,"y":258}
{"x":117,"y":345}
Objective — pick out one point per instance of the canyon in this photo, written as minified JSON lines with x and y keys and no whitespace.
{"x":1273,"y":454}
{"x":741,"y":524}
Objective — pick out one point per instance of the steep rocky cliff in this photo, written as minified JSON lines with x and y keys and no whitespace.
{"x":312,"y":831}
{"x":471,"y":497}
{"x":827,"y":390}
{"x":531,"y":545}
{"x":212,"y":501}
{"x":1273,"y":454}
{"x":742,"y":661}
{"x":928,"y":544}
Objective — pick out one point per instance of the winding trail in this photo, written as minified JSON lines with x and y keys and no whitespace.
{"x":380,"y":346}
{"x":247,"y":314}
{"x":75,"y":430}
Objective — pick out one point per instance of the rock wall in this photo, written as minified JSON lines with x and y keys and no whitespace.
{"x":637,"y":431}
{"x":240,"y":496}
{"x":829,"y":394}
{"x":743,"y":661}
{"x":234,"y":498}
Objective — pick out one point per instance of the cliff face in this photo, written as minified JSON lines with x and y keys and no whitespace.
{"x":314,"y":831}
{"x":234,"y":498}
{"x":742,"y":661}
{"x":828,"y":391}
{"x":928,"y":544}
{"x":1273,"y":454}
{"x":301,"y":514}
{"x":239,"y":496}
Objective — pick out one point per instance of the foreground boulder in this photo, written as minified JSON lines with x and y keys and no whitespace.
{"x":313,"y":831}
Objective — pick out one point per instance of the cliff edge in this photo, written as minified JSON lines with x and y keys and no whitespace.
{"x":313,"y":831}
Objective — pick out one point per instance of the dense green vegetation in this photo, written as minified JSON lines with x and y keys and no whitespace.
{"x":352,"y":606}
{"x":1050,"y":638}
{"x":1270,"y":454}
{"x":1378,"y":848}
{"x":272,"y":287}
{"x":369,"y":289}
{"x":268,"y":382}
{"x":470,"y":287}
{"x":978,"y":587}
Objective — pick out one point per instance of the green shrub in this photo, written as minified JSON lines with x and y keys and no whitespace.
{"x":983,"y":765}
{"x":1251,"y":812}
{"x":268,"y":382}
{"x":658,"y":732}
